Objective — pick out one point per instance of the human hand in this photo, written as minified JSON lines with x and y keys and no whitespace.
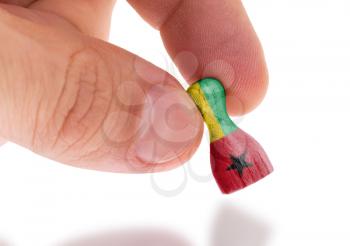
{"x":67,"y":94}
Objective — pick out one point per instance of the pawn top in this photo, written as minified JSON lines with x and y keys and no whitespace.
{"x":210,"y":97}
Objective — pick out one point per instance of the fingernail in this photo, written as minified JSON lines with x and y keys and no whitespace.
{"x":173,"y":124}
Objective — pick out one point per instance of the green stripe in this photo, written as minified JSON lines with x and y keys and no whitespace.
{"x":214,"y":92}
{"x":209,"y":117}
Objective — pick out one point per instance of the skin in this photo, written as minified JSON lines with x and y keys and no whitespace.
{"x":68,"y":94}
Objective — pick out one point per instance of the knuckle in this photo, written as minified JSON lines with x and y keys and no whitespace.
{"x":83,"y":103}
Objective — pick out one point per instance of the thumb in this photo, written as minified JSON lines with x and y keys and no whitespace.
{"x":87,"y":103}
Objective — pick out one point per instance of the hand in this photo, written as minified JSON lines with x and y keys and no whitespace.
{"x":67,"y":94}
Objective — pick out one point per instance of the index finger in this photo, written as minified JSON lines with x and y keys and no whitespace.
{"x":212,"y":39}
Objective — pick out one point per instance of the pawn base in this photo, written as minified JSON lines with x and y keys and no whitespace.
{"x":238,"y":160}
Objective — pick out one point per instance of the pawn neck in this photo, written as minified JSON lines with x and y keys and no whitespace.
{"x":210,"y":98}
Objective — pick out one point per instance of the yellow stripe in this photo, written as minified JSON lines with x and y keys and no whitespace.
{"x":198,"y":97}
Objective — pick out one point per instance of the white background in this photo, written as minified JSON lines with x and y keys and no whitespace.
{"x":303,"y":125}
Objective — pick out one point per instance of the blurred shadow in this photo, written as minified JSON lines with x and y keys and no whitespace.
{"x":232,"y":226}
{"x":235,"y":227}
{"x":3,"y":243}
{"x":132,"y":237}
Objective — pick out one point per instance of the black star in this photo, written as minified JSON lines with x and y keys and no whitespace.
{"x":239,"y":164}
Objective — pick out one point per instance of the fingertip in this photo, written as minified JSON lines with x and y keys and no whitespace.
{"x":248,"y":93}
{"x":218,"y":42}
{"x":174,"y":129}
{"x":221,"y":44}
{"x":177,"y":156}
